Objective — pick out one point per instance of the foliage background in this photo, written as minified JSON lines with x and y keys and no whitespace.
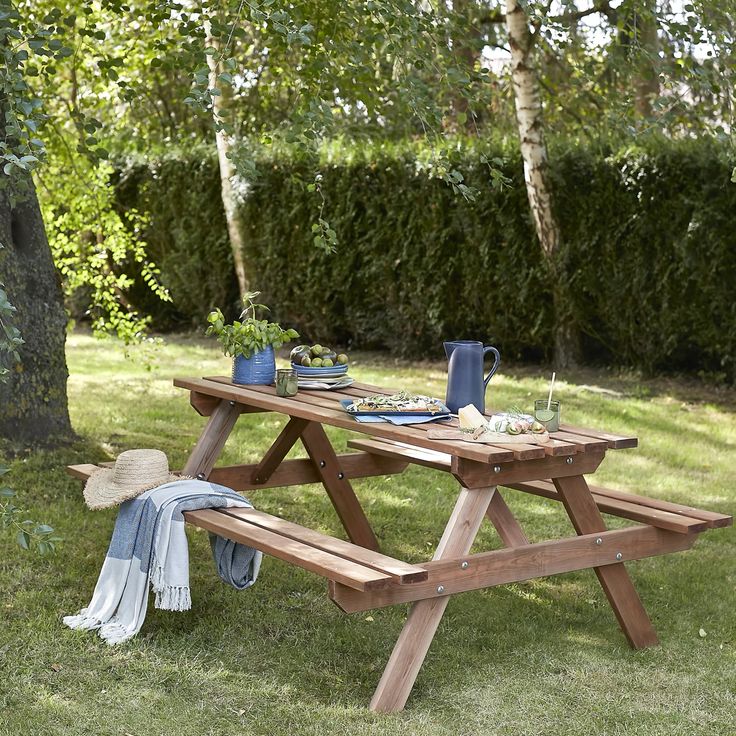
{"x":648,"y":252}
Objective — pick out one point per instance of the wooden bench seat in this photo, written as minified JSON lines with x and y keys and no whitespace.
{"x":335,"y":559}
{"x":663,"y":514}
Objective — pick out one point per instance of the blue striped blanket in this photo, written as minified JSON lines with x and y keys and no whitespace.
{"x":149,"y":544}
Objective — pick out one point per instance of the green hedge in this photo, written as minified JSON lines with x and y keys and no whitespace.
{"x":648,"y":256}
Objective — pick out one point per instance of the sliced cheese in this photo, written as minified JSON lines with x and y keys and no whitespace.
{"x":470,"y":417}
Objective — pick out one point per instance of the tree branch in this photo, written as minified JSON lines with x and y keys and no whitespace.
{"x":492,"y":16}
{"x":603,"y":7}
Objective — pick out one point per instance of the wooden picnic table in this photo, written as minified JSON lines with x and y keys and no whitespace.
{"x":361,"y":578}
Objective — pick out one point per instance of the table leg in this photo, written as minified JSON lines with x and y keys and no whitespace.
{"x":212,"y":440}
{"x":508,"y":528}
{"x":615,"y":580}
{"x":424,"y":616}
{"x":338,"y":487}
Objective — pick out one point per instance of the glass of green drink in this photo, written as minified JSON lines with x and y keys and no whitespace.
{"x":287,"y":382}
{"x":549,"y":417}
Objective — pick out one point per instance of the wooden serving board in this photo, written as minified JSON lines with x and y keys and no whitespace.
{"x":490,"y":438}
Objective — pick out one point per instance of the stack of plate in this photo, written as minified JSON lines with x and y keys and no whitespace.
{"x":331,"y":377}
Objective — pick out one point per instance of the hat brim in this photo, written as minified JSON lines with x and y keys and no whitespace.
{"x":100,"y":492}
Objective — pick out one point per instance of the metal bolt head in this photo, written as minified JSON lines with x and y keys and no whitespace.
{"x":619,"y":556}
{"x":440,"y":589}
{"x":496,"y":468}
{"x":322,"y":463}
{"x":569,"y":461}
{"x":464,"y":565}
{"x":200,"y":476}
{"x":341,"y":475}
{"x":599,"y":541}
{"x":232,"y":403}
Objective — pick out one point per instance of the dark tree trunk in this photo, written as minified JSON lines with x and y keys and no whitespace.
{"x":33,"y":403}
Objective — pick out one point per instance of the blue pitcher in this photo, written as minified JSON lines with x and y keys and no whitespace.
{"x":465,"y":381}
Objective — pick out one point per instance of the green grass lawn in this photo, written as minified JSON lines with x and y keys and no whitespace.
{"x":543,"y":657}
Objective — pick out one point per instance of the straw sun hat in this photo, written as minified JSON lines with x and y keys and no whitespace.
{"x":135,"y":471}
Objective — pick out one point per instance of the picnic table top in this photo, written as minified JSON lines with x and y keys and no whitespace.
{"x":323,"y":406}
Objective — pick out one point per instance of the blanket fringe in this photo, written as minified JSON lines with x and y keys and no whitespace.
{"x":115,"y":633}
{"x":169,"y":597}
{"x":173,"y":598}
{"x":82,"y":621}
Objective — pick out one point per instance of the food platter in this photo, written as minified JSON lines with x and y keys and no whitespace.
{"x":441,"y":411}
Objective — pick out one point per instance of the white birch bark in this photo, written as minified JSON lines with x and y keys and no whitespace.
{"x":227,"y":170}
{"x":529,"y":119}
{"x":528,"y":104}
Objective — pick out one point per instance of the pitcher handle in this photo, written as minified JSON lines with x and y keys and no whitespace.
{"x":496,"y":363}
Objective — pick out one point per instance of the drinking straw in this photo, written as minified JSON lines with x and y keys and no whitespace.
{"x":551,"y":386}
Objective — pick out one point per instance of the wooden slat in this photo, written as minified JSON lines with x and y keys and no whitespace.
{"x":402,"y":572}
{"x":301,"y":471}
{"x":626,"y":509}
{"x":584,"y":444}
{"x":511,"y":565}
{"x":615,"y":441}
{"x":416,"y":455}
{"x":303,"y":555}
{"x":204,"y":405}
{"x":291,"y":472}
{"x":713,"y":518}
{"x":614,"y":579}
{"x":360,"y":389}
{"x":472,"y":474}
{"x":302,"y":406}
{"x":82,"y":471}
{"x":557,"y":447}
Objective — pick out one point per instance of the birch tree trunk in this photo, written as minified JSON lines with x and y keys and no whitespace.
{"x":227,"y":170}
{"x":528,"y":104}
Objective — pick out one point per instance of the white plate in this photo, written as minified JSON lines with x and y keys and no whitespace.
{"x":327,"y":379}
{"x":326,"y":384}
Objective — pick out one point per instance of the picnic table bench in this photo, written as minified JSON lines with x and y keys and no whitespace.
{"x":361,"y":578}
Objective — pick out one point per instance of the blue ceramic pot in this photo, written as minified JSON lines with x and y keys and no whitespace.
{"x":260,"y":368}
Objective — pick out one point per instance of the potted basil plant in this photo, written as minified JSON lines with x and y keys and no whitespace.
{"x":250,"y":341}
